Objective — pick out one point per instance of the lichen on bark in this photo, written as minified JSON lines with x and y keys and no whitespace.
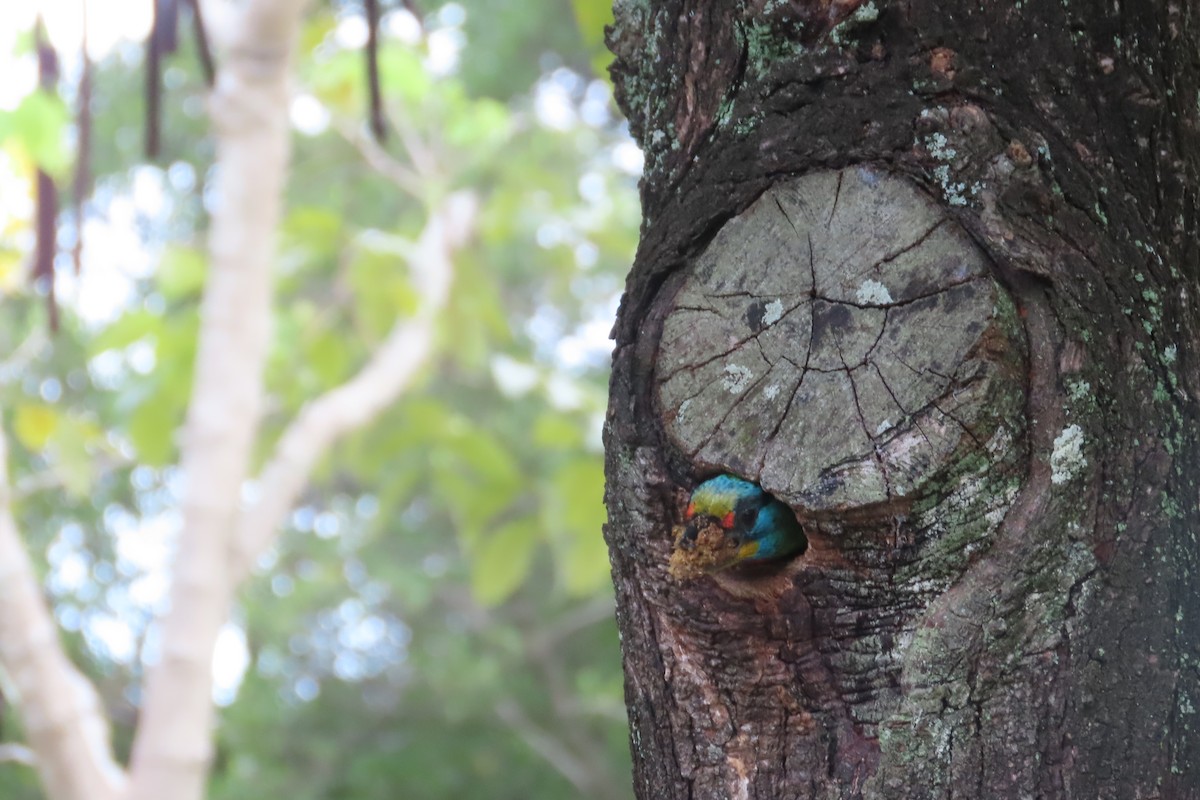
{"x":1011,"y":614}
{"x":843,"y":344}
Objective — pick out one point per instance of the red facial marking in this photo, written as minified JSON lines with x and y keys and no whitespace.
{"x":691,"y":511}
{"x":727,"y":521}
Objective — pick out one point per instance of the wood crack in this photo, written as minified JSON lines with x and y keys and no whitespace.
{"x":753,"y":337}
{"x":862,"y":420}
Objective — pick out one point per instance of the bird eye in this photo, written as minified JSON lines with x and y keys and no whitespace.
{"x":746,"y":517}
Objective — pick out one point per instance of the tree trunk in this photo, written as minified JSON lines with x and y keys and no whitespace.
{"x":173,"y":744}
{"x":925,"y":271}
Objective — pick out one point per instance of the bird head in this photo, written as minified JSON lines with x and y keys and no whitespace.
{"x":756,"y":525}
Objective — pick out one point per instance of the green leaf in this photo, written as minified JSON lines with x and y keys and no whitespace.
{"x":474,"y":504}
{"x":476,"y":322}
{"x":10,"y":267}
{"x":319,"y":25}
{"x":175,"y":355}
{"x":379,"y":277}
{"x":34,"y":424}
{"x":326,"y":355}
{"x":181,"y":273}
{"x":482,"y":126}
{"x":72,"y":461}
{"x":503,"y":561}
{"x":337,"y":81}
{"x":489,"y":459}
{"x":125,"y":330}
{"x":401,"y":70}
{"x":310,"y":234}
{"x":577,"y":516}
{"x":556,"y":432}
{"x":580,"y":488}
{"x":37,"y":125}
{"x":152,"y":429}
{"x":583,"y":565}
{"x":592,"y":16}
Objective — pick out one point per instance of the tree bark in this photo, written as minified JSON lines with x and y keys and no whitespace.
{"x":926,"y":272}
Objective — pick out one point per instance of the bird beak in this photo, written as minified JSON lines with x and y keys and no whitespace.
{"x":688,"y":540}
{"x":747,"y":550}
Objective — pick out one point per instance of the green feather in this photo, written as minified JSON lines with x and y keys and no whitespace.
{"x":765,"y":527}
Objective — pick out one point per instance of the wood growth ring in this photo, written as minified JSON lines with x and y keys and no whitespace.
{"x":841,"y":342}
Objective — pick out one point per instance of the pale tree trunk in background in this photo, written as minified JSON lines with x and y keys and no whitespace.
{"x":221,"y":534}
{"x":249,"y":109}
{"x":172,"y":748}
{"x":64,"y":718}
{"x":927,"y":271}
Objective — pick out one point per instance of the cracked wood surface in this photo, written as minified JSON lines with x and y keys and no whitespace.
{"x":845,"y":344}
{"x":838,"y":291}
{"x":1023,"y":622}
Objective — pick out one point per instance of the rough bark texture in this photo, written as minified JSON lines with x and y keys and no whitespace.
{"x":926,"y":271}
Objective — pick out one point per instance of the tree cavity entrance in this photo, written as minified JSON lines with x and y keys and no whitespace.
{"x":841,"y":342}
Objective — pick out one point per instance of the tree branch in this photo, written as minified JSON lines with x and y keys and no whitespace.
{"x":249,"y":110}
{"x":19,"y":358}
{"x":544,"y":745}
{"x":593,"y":612}
{"x":14,"y":753}
{"x":380,"y":160}
{"x":63,"y":716}
{"x":356,"y":402}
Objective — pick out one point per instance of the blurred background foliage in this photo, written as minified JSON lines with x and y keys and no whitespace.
{"x":436,"y":621}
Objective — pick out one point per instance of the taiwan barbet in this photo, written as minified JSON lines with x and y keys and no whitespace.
{"x":730,"y":520}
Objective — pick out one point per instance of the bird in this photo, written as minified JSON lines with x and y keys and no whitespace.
{"x":755,"y":526}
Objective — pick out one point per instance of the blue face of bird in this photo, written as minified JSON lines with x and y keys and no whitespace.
{"x":737,"y":506}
